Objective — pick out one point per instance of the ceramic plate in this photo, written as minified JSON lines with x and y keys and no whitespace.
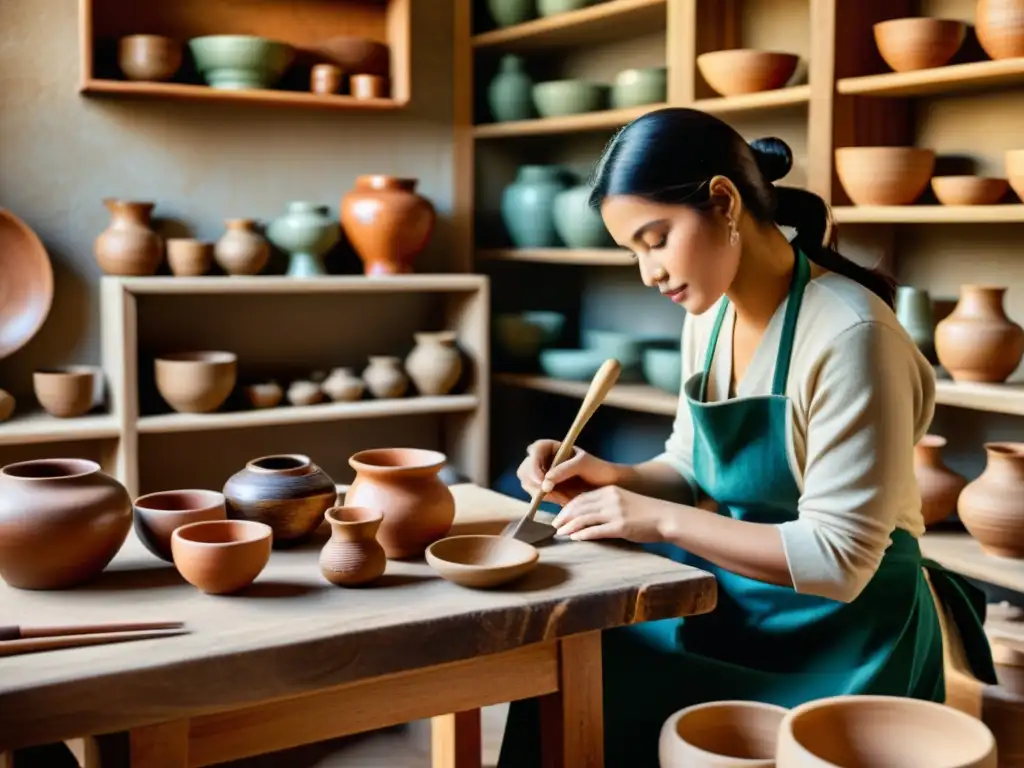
{"x":26,"y":283}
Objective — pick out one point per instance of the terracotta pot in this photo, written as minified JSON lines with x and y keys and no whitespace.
{"x":435,"y":363}
{"x":403,"y":483}
{"x":69,"y":392}
{"x":939,"y":485}
{"x":266,"y":394}
{"x":152,"y":58}
{"x":884,"y":175}
{"x":288,"y":492}
{"x":241,"y":250}
{"x":188,"y":257}
{"x":196,"y":382}
{"x":721,"y":734}
{"x":157,"y":515}
{"x":1000,"y":27}
{"x":968,"y":190}
{"x":7,"y":403}
{"x":992,"y":507}
{"x":919,"y":42}
{"x":220,"y":557}
{"x":368,"y":86}
{"x":387,"y":223}
{"x":61,"y":522}
{"x":742,"y":70}
{"x":977,"y":341}
{"x":128,"y":246}
{"x":384,"y":377}
{"x":343,"y":385}
{"x":353,"y":556}
{"x":882,"y":731}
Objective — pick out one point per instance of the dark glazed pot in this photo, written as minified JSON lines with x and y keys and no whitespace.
{"x":288,"y":492}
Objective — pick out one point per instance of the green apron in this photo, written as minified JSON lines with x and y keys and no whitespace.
{"x":765,"y":642}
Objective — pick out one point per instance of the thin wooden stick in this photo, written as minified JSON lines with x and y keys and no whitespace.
{"x":36,"y":644}
{"x":23,"y":633}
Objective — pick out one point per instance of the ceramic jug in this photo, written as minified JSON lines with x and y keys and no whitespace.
{"x":510,"y":93}
{"x":992,"y":506}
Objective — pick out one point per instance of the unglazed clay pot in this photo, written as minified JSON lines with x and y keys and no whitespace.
{"x":403,"y":483}
{"x":70,"y":391}
{"x":721,"y":734}
{"x":7,"y":403}
{"x":152,"y":58}
{"x":387,"y":223}
{"x":343,"y":385}
{"x":128,"y":246}
{"x":304,"y":392}
{"x":884,"y":175}
{"x":288,"y":492}
{"x":353,"y":556}
{"x":157,"y":515}
{"x":977,"y":341}
{"x":61,"y":522}
{"x":745,"y":70}
{"x":241,"y":250}
{"x":196,"y":382}
{"x":992,"y":507}
{"x":1000,"y":27}
{"x":188,"y":257}
{"x":435,"y":363}
{"x":969,"y":190}
{"x":939,"y":485}
{"x":220,"y":557}
{"x":265,"y":394}
{"x":384,"y":377}
{"x":918,"y":42}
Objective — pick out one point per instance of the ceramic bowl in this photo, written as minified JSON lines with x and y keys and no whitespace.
{"x":219,"y":557}
{"x":571,"y":364}
{"x":884,"y":175}
{"x":188,"y":257}
{"x":744,"y":70}
{"x":555,"y":7}
{"x":624,"y":347}
{"x":968,"y":190}
{"x":357,"y":55}
{"x":918,"y":43}
{"x":551,"y":324}
{"x":152,"y":58}
{"x":481,"y":561}
{"x":196,"y":382}
{"x":240,"y":62}
{"x":721,"y":734}
{"x":1014,"y":164}
{"x":158,"y":514}
{"x":569,"y":97}
{"x":516,"y":337}
{"x":69,"y":391}
{"x":663,"y":368}
{"x":637,"y":87}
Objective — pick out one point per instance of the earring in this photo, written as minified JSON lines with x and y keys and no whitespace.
{"x":734,"y":235}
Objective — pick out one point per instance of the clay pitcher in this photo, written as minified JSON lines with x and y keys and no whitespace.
{"x":403,"y":483}
{"x":992,"y":507}
{"x":241,"y":250}
{"x":999,"y":25}
{"x":978,"y":342}
{"x":387,"y":223}
{"x":129,"y":246}
{"x":435,"y":364}
{"x":353,"y":556}
{"x":939,"y":485}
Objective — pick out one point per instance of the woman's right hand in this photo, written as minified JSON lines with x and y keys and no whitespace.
{"x":578,"y":474}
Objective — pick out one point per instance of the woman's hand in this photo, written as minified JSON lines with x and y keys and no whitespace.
{"x":578,"y":474}
{"x":614,"y":513}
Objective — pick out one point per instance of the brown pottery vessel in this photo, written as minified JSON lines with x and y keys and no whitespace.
{"x":384,"y":377}
{"x":744,"y":70}
{"x":721,"y":734}
{"x":918,"y":42}
{"x":939,"y":485}
{"x":152,"y":58}
{"x":353,"y":556}
{"x":7,"y":403}
{"x":241,"y":250}
{"x":188,"y":257}
{"x":403,"y":483}
{"x":435,"y":363}
{"x":70,"y":391}
{"x":387,"y":223}
{"x":884,"y":175}
{"x":992,"y":507}
{"x":129,"y":246}
{"x":288,"y":492}
{"x":157,"y":515}
{"x":196,"y":382}
{"x":999,"y":25}
{"x":61,"y":522}
{"x":220,"y":557}
{"x":977,"y":341}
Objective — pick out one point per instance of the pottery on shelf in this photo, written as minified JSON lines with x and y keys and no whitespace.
{"x":188,"y":257}
{"x":264,"y":394}
{"x":992,"y":506}
{"x":61,"y":522}
{"x":508,"y":12}
{"x":919,"y":42}
{"x":27,"y":281}
{"x":353,"y":556}
{"x":288,"y":492}
{"x":744,"y":70}
{"x":721,"y":734}
{"x":555,"y":7}
{"x":129,"y":246}
{"x":663,"y":368}
{"x":968,"y":190}
{"x":240,"y":62}
{"x":325,"y":79}
{"x":571,"y":364}
{"x":999,"y":25}
{"x":70,"y":391}
{"x":527,"y":206}
{"x":939,"y":485}
{"x":385,"y":377}
{"x":637,"y":87}
{"x":241,"y":250}
{"x":481,"y":561}
{"x":435,"y":363}
{"x":342,"y":385}
{"x":977,"y":341}
{"x":884,"y":175}
{"x":914,"y":312}
{"x":403,"y":483}
{"x":577,"y":224}
{"x":1013,"y":161}
{"x":156,"y":515}
{"x":558,"y":98}
{"x":368,"y":86}
{"x":150,"y":58}
{"x":624,"y":347}
{"x":387,"y":223}
{"x":304,"y":392}
{"x":305,"y":232}
{"x":7,"y":404}
{"x":196,"y":382}
{"x":221,"y":557}
{"x":358,"y":55}
{"x":510,"y":92}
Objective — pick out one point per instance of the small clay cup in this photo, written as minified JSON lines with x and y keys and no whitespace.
{"x":220,"y":557}
{"x":188,"y":257}
{"x":266,"y":394}
{"x":368,"y":86}
{"x":157,"y":515}
{"x":152,"y":58}
{"x":481,"y":561}
{"x":196,"y":382}
{"x":325,"y":79}
{"x":721,"y":734}
{"x":353,"y":556}
{"x":70,"y":391}
{"x":969,"y":190}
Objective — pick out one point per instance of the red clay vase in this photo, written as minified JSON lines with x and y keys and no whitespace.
{"x":977,"y":341}
{"x":939,"y":485}
{"x":129,"y":246}
{"x":353,"y":556}
{"x":387,"y":223}
{"x":992,"y":507}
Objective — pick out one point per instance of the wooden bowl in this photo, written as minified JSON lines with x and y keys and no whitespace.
{"x":918,"y":43}
{"x":219,"y":557}
{"x":744,"y":70}
{"x":26,"y":290}
{"x":884,"y":175}
{"x":196,"y":382}
{"x":481,"y":561}
{"x":721,"y":733}
{"x":968,"y":190}
{"x":157,"y":515}
{"x":1013,"y":163}
{"x":152,"y":58}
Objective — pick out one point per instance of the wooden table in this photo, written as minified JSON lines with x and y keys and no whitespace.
{"x":294,"y":660}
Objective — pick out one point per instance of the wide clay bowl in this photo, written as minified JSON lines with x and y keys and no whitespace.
{"x":357,"y":55}
{"x":918,"y":43}
{"x":152,"y":58}
{"x":480,"y":561}
{"x":238,"y":62}
{"x":721,"y":734}
{"x":219,"y":557}
{"x":745,"y":70}
{"x":969,"y":190}
{"x":70,"y":391}
{"x":884,"y":175}
{"x":868,"y":731}
{"x":157,"y":515}
{"x":26,"y":290}
{"x":196,"y":382}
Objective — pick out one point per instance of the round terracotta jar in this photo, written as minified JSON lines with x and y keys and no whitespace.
{"x":977,"y":341}
{"x":241,"y":250}
{"x":999,"y":25}
{"x":353,"y":556}
{"x":939,"y":485}
{"x":129,"y":246}
{"x":387,"y":223}
{"x":61,"y":522}
{"x":435,"y":363}
{"x":992,"y":507}
{"x":403,"y":483}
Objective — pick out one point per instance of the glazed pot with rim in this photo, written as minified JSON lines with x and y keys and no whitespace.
{"x":939,"y":486}
{"x":353,"y":556}
{"x":403,"y":483}
{"x":977,"y":341}
{"x":70,"y":391}
{"x":305,"y":232}
{"x":196,"y":382}
{"x":129,"y":246}
{"x":992,"y":506}
{"x":288,"y":492}
{"x":157,"y":515}
{"x":241,"y":250}
{"x":150,"y":58}
{"x":385,"y":377}
{"x":61,"y":522}
{"x":221,"y":557}
{"x":721,"y":734}
{"x":999,"y":25}
{"x":387,"y":222}
{"x":435,"y":363}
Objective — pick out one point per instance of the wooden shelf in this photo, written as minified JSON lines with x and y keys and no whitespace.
{"x":606,"y":120}
{"x":925,"y":82}
{"x":929,"y":214}
{"x":598,"y":23}
{"x":994,"y":398}
{"x":593,"y":257}
{"x":642,"y":398}
{"x":959,"y":552}
{"x":35,"y":427}
{"x":796,"y":96}
{"x":440,"y":283}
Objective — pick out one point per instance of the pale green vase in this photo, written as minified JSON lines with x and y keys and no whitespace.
{"x":914,"y":312}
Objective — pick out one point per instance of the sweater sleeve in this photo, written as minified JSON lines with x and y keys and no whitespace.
{"x":870,"y":393}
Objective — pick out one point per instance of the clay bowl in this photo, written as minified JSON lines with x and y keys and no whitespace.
{"x":157,"y":515}
{"x":196,"y":382}
{"x":744,"y":70}
{"x":70,"y":391}
{"x":26,"y":290}
{"x":918,"y":43}
{"x":1013,"y":163}
{"x":884,"y":175}
{"x":153,"y":58}
{"x":219,"y":557}
{"x":357,"y":55}
{"x":721,"y":734}
{"x":481,"y":561}
{"x":969,"y":190}
{"x":188,"y":257}
{"x":882,"y":730}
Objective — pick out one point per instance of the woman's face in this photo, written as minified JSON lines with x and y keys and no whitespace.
{"x":685,"y":253}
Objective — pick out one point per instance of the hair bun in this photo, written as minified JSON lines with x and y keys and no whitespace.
{"x":774,"y":157}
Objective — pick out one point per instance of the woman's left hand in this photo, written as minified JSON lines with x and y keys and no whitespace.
{"x":611,"y":513}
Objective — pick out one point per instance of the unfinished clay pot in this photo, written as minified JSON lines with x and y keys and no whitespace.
{"x":918,"y":42}
{"x":303,"y":392}
{"x":999,"y":25}
{"x":435,"y":363}
{"x":157,"y":515}
{"x":129,"y":246}
{"x":884,"y":175}
{"x":150,"y":58}
{"x":288,"y":492}
{"x":70,"y":391}
{"x":977,"y":341}
{"x":241,"y":250}
{"x":721,"y":734}
{"x":387,"y":223}
{"x":61,"y":522}
{"x":343,"y":385}
{"x":969,"y":190}
{"x":353,"y":556}
{"x":7,"y":403}
{"x":384,"y":377}
{"x":992,"y":507}
{"x":188,"y":257}
{"x":743,"y":70}
{"x":403,"y":483}
{"x":939,"y":485}
{"x":196,"y":382}
{"x":220,"y":557}
{"x":265,"y":394}
{"x":481,"y":561}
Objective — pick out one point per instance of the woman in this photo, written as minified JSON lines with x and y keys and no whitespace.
{"x":789,"y":471}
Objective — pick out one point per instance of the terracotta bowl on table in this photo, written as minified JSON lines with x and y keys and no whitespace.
{"x":918,"y":43}
{"x":220,"y":557}
{"x":721,"y":734}
{"x":26,"y":290}
{"x":884,"y":175}
{"x":157,"y":515}
{"x":196,"y":382}
{"x":481,"y":561}
{"x":969,"y":190}
{"x":746,"y":70}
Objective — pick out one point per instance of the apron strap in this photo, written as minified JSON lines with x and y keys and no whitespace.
{"x":966,"y":605}
{"x":709,"y":354}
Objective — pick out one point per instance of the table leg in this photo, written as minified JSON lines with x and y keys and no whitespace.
{"x":455,"y":740}
{"x":159,"y":746}
{"x":572,"y":720}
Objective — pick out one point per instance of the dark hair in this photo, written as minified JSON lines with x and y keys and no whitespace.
{"x":669,"y":156}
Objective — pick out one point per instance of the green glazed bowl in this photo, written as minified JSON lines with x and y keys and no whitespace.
{"x":571,"y":364}
{"x":663,"y":368}
{"x":239,"y":62}
{"x":637,"y":87}
{"x":569,"y":97}
{"x":551,"y":324}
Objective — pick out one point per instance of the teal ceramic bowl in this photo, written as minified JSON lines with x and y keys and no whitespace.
{"x":551,"y":324}
{"x":569,"y":97}
{"x":622,"y":346}
{"x":571,"y":364}
{"x":637,"y":87}
{"x":663,"y":368}
{"x":240,"y":62}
